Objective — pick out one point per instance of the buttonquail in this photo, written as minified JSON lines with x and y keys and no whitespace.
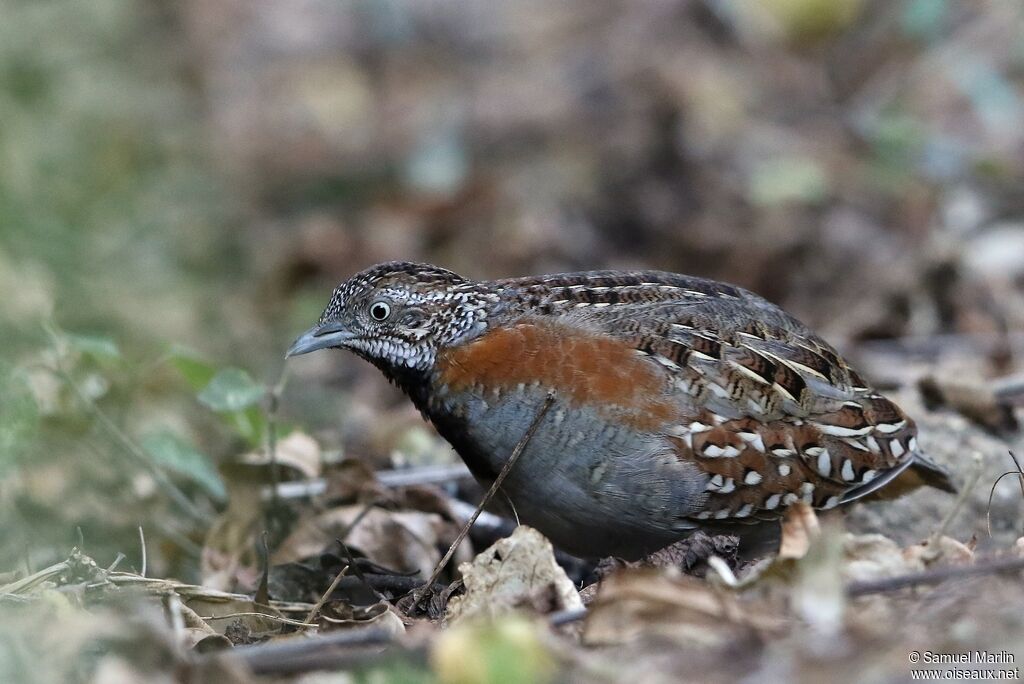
{"x":679,"y":403}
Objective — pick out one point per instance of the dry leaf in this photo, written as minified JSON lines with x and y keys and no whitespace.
{"x":298,"y":451}
{"x":799,"y":528}
{"x":405,"y":541}
{"x":337,"y":615}
{"x":819,"y":593}
{"x":515,"y":571}
{"x":663,"y":603}
{"x":941,"y":551}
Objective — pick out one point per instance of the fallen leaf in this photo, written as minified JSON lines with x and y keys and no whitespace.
{"x":649,"y":602}
{"x":939,"y":551}
{"x":799,"y":528}
{"x":819,"y":592}
{"x":515,"y":571}
{"x":406,"y":541}
{"x":337,"y":615}
{"x":297,"y":451}
{"x":874,"y":556}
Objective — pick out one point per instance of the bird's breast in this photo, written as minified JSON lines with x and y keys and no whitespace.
{"x":586,"y":370}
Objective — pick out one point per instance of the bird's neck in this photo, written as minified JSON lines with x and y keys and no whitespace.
{"x":414,"y":382}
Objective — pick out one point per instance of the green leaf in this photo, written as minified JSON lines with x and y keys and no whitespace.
{"x":96,"y":346}
{"x":19,"y":417}
{"x":197,"y":372}
{"x":250,"y":424}
{"x":171,"y":452}
{"x":231,"y":389}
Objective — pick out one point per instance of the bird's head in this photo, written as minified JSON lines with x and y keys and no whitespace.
{"x":398,"y":315}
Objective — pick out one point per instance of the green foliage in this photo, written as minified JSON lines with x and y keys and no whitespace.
{"x":104,"y":181}
{"x":196,"y":372}
{"x":99,"y":348}
{"x":19,"y":417}
{"x":233,"y":394}
{"x":173,"y":453}
{"x":231,"y":390}
{"x":506,"y":651}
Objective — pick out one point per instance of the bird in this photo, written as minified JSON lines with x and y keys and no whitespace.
{"x":673,"y":403}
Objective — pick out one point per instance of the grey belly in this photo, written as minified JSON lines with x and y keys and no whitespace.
{"x":592,"y":486}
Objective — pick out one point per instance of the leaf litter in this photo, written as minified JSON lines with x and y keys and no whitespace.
{"x":352,"y":559}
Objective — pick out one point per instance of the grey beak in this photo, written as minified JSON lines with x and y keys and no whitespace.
{"x":324,"y":336}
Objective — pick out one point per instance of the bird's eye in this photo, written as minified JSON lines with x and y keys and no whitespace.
{"x":380,"y":310}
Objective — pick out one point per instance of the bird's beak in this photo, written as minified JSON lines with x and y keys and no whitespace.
{"x":330,"y":334}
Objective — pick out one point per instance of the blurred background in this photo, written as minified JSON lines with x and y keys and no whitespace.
{"x":182,"y":184}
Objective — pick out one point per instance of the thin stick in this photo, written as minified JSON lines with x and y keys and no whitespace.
{"x":358,"y":519}
{"x":304,"y":655}
{"x":273,"y":401}
{"x":960,"y":501}
{"x":934,"y":576}
{"x":505,"y":470}
{"x":117,"y":561}
{"x":346,"y":649}
{"x":567,"y":616}
{"x":263,"y":590}
{"x":991,"y":492}
{"x":399,"y":477}
{"x":355,"y":567}
{"x":1020,"y":470}
{"x":265,"y":616}
{"x":142,"y":546}
{"x":326,"y":595}
{"x":177,"y":619}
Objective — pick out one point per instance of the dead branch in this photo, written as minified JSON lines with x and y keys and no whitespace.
{"x":335,"y":650}
{"x":936,"y":576}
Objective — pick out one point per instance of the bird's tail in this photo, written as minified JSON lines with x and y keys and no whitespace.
{"x":922,"y":472}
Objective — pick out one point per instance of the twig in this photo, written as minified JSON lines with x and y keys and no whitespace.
{"x":358,"y":519}
{"x":1010,"y":389}
{"x":303,"y":655}
{"x":505,"y":470}
{"x":396,"y":477}
{"x":142,"y":546}
{"x":29,"y":582}
{"x":360,"y":575}
{"x":117,"y":561}
{"x":273,"y":401}
{"x":334,"y":650}
{"x":326,"y":595}
{"x":991,"y":492}
{"x":934,"y":576}
{"x":397,"y":584}
{"x":266,"y":616}
{"x":173,"y":605}
{"x":263,"y":590}
{"x":568,"y":616}
{"x":961,"y":499}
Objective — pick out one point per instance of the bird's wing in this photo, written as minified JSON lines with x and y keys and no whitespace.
{"x":775,"y":414}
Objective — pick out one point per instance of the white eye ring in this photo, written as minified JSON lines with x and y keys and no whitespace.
{"x":379,"y":311}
